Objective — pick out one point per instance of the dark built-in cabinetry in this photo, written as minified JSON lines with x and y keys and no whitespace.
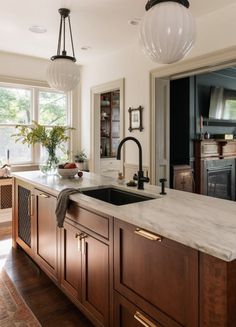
{"x":215,"y":162}
{"x":189,"y":101}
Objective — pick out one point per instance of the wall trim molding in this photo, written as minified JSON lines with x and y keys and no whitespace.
{"x":23,"y":81}
{"x":200,"y":64}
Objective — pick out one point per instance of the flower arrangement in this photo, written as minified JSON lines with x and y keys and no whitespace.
{"x":49,"y":137}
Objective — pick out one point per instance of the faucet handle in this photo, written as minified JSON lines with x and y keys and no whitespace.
{"x":162,"y":181}
{"x":135,"y":177}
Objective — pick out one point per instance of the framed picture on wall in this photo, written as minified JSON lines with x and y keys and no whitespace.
{"x":135,"y":119}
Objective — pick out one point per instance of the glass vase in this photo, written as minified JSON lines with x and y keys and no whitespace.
{"x":48,"y":166}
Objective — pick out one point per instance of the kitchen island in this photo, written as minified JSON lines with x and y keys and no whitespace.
{"x":169,"y":261}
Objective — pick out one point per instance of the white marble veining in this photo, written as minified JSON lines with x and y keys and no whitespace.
{"x":203,"y":223}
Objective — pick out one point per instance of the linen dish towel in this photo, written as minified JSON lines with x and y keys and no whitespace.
{"x":62,"y":204}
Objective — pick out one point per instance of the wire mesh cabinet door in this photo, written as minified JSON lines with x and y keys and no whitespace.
{"x":24,"y":216}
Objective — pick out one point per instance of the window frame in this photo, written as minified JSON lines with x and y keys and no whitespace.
{"x":34,"y":111}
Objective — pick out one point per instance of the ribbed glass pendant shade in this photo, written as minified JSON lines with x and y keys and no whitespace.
{"x":63,"y":74}
{"x":167,"y":32}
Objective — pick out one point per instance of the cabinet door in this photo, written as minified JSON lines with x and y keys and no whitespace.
{"x":158,"y":275}
{"x":71,"y":278}
{"x":127,"y":314}
{"x":183,"y":181}
{"x":24,"y":216}
{"x":47,"y":233}
{"x":95,"y":277}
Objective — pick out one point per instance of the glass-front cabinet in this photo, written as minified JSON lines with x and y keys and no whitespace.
{"x":110,"y":124}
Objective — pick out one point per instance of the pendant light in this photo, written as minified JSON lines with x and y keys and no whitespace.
{"x":63,"y":73}
{"x":167,"y":30}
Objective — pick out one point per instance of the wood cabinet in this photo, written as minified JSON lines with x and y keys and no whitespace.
{"x":215,"y":168}
{"x":129,"y":315}
{"x":71,"y":261}
{"x":157,"y":282}
{"x":86,"y":263}
{"x":183,"y":178}
{"x":47,"y":233}
{"x":24,"y":224}
{"x":159,"y":275}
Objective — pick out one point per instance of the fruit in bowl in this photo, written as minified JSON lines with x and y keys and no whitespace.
{"x":67,"y":170}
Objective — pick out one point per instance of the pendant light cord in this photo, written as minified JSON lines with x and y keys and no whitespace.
{"x":59,"y":39}
{"x":64,"y":37}
{"x":71,"y":38}
{"x":65,"y":13}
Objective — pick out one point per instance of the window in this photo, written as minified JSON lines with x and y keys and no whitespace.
{"x":20,"y":105}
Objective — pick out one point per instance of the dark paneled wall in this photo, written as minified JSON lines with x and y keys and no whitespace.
{"x":189,"y":99}
{"x":182,"y":122}
{"x":204,"y":82}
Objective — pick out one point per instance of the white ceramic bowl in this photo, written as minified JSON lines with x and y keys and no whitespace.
{"x":67,"y":172}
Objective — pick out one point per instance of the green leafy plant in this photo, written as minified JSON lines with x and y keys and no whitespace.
{"x":81,"y":156}
{"x":48,"y":137}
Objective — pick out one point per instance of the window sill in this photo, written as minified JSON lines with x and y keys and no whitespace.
{"x":24,"y":167}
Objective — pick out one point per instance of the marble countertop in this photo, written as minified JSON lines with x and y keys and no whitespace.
{"x":203,"y":223}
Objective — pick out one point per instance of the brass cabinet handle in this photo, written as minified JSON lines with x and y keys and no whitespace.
{"x":78,"y":241}
{"x":143,"y":320}
{"x":43,"y":195}
{"x":30,"y":205}
{"x":83,"y":237}
{"x":148,"y":235}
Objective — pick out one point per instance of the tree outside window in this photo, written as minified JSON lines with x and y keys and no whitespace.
{"x":18,"y":108}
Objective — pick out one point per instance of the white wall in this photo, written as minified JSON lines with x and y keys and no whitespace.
{"x":214,"y":31}
{"x":24,"y":67}
{"x":134,"y":67}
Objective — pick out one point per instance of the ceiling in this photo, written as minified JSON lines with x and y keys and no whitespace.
{"x":101,"y":24}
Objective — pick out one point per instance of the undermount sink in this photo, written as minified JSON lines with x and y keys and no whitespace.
{"x":115,"y":196}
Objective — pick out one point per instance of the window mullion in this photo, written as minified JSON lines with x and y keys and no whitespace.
{"x":36,"y":147}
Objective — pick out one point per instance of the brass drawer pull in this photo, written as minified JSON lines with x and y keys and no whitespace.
{"x":30,"y":205}
{"x":143,"y":320}
{"x":43,"y":195}
{"x":83,"y":237}
{"x":148,"y":235}
{"x":78,"y":236}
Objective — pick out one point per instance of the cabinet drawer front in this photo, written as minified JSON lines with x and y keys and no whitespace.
{"x":126,"y":314}
{"x":94,"y":222}
{"x":164,"y":274}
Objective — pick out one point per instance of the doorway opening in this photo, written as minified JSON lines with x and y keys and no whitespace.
{"x":160,"y":114}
